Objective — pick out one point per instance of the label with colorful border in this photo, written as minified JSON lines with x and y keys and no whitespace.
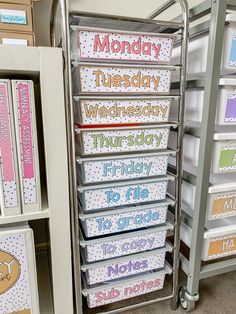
{"x":105,"y":45}
{"x":232,"y":60}
{"x":230,"y":111}
{"x":227,"y":160}
{"x":222,"y":247}
{"x":224,"y":205}
{"x":122,"y":79}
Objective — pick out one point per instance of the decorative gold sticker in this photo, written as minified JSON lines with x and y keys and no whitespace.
{"x":9,"y":271}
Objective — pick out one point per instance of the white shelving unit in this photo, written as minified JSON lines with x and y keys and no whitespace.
{"x":46,"y":64}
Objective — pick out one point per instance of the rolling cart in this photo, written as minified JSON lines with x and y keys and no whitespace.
{"x":70,"y":16}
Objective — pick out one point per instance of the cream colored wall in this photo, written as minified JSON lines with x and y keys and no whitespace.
{"x":136,"y":8}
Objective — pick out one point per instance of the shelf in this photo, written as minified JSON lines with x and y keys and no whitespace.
{"x":24,"y":217}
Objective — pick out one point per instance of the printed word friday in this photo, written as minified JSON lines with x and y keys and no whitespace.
{"x":116,"y":80}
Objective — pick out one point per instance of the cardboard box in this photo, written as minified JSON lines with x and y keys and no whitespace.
{"x":11,"y":38}
{"x":16,"y":1}
{"x":15,"y":17}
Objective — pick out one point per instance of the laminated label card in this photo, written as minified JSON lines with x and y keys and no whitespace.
{"x":222,"y":246}
{"x":122,"y":111}
{"x":114,"y":45}
{"x":224,"y":205}
{"x":122,"y":79}
{"x":232,"y":60}
{"x":227,"y":158}
{"x":230,"y":112}
{"x":13,"y":16}
{"x":123,"y":140}
{"x":18,"y":288}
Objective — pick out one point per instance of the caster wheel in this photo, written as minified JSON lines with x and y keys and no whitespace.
{"x":186,"y":304}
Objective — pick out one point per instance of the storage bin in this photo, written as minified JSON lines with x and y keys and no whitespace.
{"x":226,"y":107}
{"x":21,"y":39}
{"x":221,"y":199}
{"x":125,"y":288}
{"x":219,"y":239}
{"x":124,"y":219}
{"x":123,"y":193}
{"x":112,"y":45}
{"x":198,"y":48}
{"x":98,"y":79}
{"x":125,"y":243}
{"x":125,"y":266}
{"x":115,"y":168}
{"x":14,"y":17}
{"x":223,"y":154}
{"x":121,"y":140}
{"x":112,"y":110}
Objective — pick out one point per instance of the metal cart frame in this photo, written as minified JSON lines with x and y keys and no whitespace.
{"x":193,"y":267}
{"x":66,"y":9}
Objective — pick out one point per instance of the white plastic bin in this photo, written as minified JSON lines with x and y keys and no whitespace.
{"x":121,"y":140}
{"x":92,"y":79}
{"x":221,"y":199}
{"x":115,"y":168}
{"x":223,"y":155}
{"x":219,"y":239}
{"x":124,"y":219}
{"x":111,"y":45}
{"x":123,"y":110}
{"x":198,"y":49}
{"x":226,"y":107}
{"x":125,"y":266}
{"x":126,"y":288}
{"x":99,"y":197}
{"x":125,"y":243}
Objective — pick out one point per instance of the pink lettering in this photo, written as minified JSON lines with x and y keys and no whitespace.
{"x":101,"y":46}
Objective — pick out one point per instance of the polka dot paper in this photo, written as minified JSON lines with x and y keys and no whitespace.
{"x":113,"y":223}
{"x":122,"y":79}
{"x":114,"y":196}
{"x":105,"y":45}
{"x":123,"y":168}
{"x":125,"y":290}
{"x":130,"y":243}
{"x":123,"y":140}
{"x":118,"y":269}
{"x":15,"y":262}
{"x":105,"y":111}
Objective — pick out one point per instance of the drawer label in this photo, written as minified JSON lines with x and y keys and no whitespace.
{"x":230,"y":113}
{"x":124,"y":195}
{"x":13,"y":16}
{"x":224,"y":205}
{"x":124,"y":111}
{"x":232,"y":60}
{"x":222,"y":246}
{"x":117,"y":169}
{"x":124,"y":140}
{"x":125,"y":221}
{"x":123,"y":46}
{"x":125,"y":291}
{"x":227,"y":158}
{"x":106,"y":79}
{"x":15,"y":41}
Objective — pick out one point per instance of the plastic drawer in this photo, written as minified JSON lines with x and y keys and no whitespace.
{"x":124,"y":219}
{"x":116,"y":168}
{"x":125,"y":243}
{"x":94,"y":198}
{"x":226,"y":107}
{"x":221,"y":199}
{"x":123,"y":110}
{"x":131,"y":139}
{"x":223,"y":155}
{"x":198,"y":48}
{"x":124,"y":289}
{"x":111,"y":45}
{"x":125,"y":266}
{"x":97,"y":79}
{"x":219,"y":239}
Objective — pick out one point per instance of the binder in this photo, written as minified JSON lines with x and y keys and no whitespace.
{"x":27,"y":144}
{"x":18,"y":278}
{"x":9,"y":176}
